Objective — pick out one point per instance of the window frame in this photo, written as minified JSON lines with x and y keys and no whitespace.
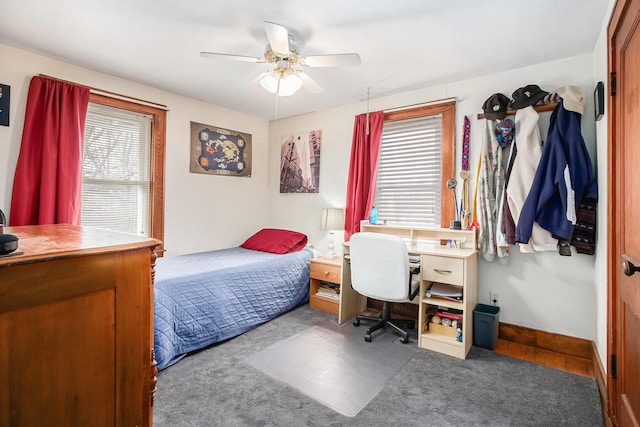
{"x":158,"y":149}
{"x":448,"y":149}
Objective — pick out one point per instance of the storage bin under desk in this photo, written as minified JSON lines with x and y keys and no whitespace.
{"x":438,"y":337}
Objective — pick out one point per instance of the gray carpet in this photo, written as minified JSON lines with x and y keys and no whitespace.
{"x":334,"y":365}
{"x":215,"y":387}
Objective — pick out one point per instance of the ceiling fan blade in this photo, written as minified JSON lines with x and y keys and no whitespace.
{"x":278,"y":37}
{"x":230,"y":57}
{"x":308,"y":83}
{"x":337,"y":60}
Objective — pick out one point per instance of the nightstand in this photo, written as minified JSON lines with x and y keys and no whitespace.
{"x":324,"y":284}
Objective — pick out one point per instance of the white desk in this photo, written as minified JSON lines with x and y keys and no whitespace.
{"x":456,"y":266}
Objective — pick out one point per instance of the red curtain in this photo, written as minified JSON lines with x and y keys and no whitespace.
{"x":47,"y":186}
{"x":363,"y":168}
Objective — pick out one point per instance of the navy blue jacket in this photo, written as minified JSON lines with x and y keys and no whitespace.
{"x":563,"y":178}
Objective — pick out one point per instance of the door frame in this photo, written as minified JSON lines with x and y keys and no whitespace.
{"x":612,"y":225}
{"x":614,"y":188}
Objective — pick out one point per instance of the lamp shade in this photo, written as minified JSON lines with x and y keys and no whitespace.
{"x":332,"y":219}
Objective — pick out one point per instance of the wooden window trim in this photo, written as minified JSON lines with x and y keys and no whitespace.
{"x":158,"y":135}
{"x":448,"y":148}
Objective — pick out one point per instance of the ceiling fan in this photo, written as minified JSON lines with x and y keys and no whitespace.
{"x":286,"y":78}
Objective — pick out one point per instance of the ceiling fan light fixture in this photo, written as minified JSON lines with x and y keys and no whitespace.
{"x":284,"y":83}
{"x":289,"y":84}
{"x":270,"y":81}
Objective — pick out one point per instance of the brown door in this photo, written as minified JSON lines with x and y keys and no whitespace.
{"x":624,"y":214}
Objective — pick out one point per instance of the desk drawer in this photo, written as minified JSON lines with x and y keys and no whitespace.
{"x":327,"y":272}
{"x":442,"y":269}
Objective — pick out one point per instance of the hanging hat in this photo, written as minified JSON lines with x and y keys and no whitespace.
{"x":504,"y":132}
{"x":572,"y":98}
{"x":526,"y":96}
{"x":495,"y":107}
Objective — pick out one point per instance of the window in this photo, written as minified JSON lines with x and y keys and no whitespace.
{"x":416,"y":160}
{"x":123,"y":167}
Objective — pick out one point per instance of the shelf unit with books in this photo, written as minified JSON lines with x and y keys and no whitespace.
{"x":459,"y":269}
{"x":325,"y":273}
{"x":446,"y":256}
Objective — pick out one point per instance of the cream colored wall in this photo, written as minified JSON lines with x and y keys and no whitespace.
{"x":202,"y":211}
{"x":542,"y":291}
{"x":600,"y":72}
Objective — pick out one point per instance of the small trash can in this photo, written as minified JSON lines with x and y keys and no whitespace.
{"x":485,"y":326}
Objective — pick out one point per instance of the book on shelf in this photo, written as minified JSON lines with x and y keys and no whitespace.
{"x":329,"y":289}
{"x":448,"y":315}
{"x":451,"y":313}
{"x":330,"y":295}
{"x":452,"y":299}
{"x":444,"y":291}
{"x":330,"y":285}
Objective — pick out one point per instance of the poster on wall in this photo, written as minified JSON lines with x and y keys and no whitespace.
{"x":300,"y":162}
{"x":219,"y":151}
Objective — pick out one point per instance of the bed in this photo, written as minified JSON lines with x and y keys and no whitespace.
{"x":204,"y":298}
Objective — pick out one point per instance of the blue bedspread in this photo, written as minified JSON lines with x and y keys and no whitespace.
{"x":207,"y":297}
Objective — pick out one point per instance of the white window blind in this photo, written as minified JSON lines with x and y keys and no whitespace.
{"x":116,"y":170}
{"x":409,"y":172}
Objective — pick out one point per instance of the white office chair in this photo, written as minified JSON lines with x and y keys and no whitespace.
{"x":380,"y":270}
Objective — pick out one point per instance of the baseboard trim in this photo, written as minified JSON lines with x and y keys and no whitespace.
{"x":601,"y":379}
{"x":563,"y":344}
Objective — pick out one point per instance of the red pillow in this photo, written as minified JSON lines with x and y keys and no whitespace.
{"x":276,"y":241}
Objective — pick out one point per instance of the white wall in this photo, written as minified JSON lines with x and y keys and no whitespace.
{"x":201,"y":211}
{"x":600,"y":74}
{"x":542,"y":291}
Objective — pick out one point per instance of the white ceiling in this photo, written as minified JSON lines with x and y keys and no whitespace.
{"x":404,"y":44}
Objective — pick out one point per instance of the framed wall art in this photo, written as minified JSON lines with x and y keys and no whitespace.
{"x":300,"y":162}
{"x":598,"y":101}
{"x":219,"y":151}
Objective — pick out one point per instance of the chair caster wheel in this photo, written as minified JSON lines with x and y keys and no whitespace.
{"x":356,"y":322}
{"x":367,"y":337}
{"x":405,"y":340}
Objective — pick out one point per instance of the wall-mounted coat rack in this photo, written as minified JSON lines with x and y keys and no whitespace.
{"x":550,"y":106}
{"x":548,"y":103}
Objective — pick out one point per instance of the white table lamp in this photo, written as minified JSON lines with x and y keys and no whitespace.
{"x":332,"y":219}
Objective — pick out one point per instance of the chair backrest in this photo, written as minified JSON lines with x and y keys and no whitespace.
{"x":379,"y":266}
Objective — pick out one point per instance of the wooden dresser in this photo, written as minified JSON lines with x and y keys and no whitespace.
{"x":76,"y":328}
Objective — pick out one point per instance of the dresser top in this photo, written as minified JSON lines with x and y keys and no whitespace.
{"x":37,"y":242}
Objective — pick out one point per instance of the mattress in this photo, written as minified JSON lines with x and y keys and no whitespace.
{"x":208,"y":297}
